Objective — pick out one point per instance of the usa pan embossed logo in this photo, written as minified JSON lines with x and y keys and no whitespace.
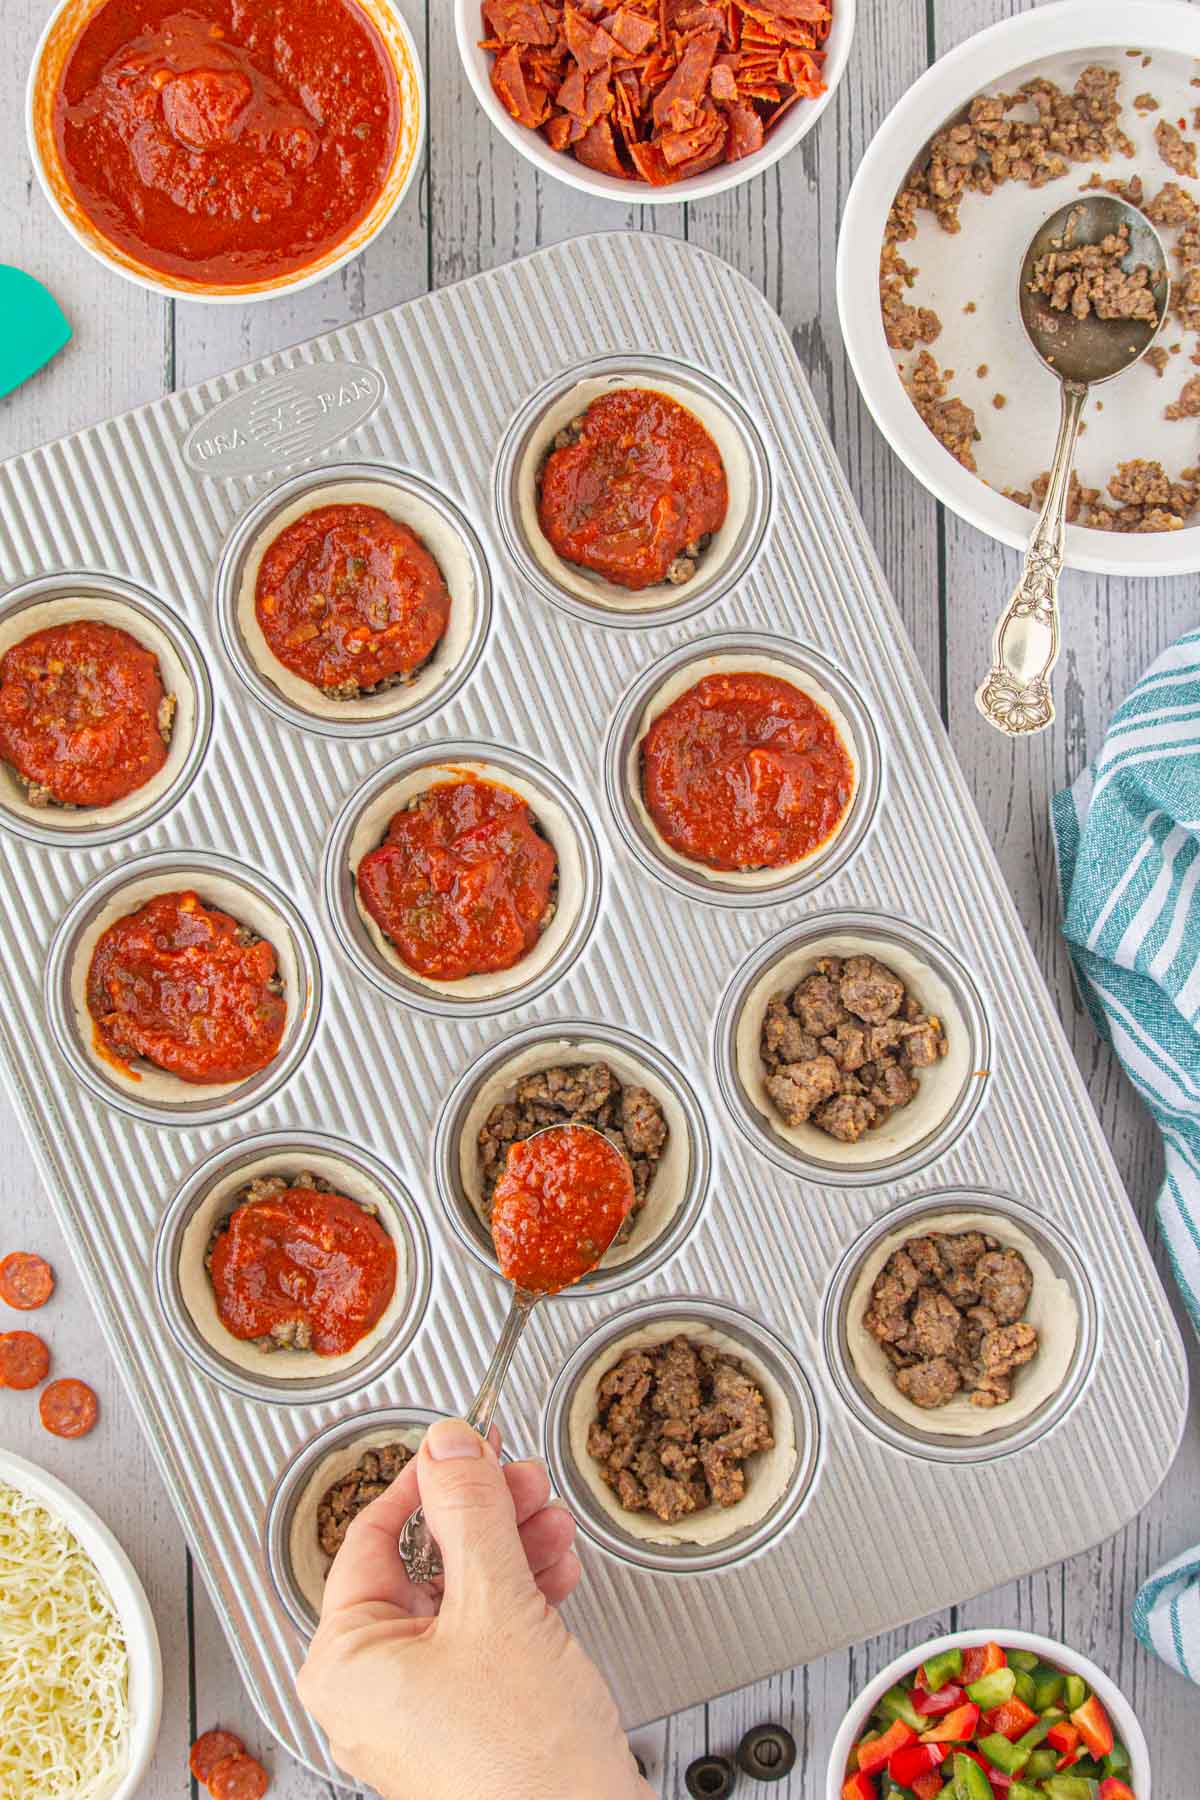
{"x":283,"y":419}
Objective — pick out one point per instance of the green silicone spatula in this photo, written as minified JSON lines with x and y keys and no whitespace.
{"x":32,"y":327}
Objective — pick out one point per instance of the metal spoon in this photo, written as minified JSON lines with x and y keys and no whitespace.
{"x":1016,"y":697}
{"x":418,"y":1548}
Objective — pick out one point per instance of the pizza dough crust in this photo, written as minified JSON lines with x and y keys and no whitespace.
{"x":582,"y":583}
{"x":1052,"y":1310}
{"x":309,"y":1563}
{"x":768,"y":1472}
{"x":670,"y":691}
{"x":938,"y":1087}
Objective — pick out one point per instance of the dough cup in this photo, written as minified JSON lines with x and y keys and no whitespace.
{"x":676,"y":1194}
{"x":948,"y":1093}
{"x":450,"y":540}
{"x":143,"y":1090}
{"x":185,"y":1292}
{"x":674,"y":675}
{"x":1062,"y":1306}
{"x":529,"y":440}
{"x":67,"y":598}
{"x":362,"y":825}
{"x":777,"y":1480}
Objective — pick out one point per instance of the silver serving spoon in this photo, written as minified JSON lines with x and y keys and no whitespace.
{"x":418,"y":1548}
{"x":1016,"y":696}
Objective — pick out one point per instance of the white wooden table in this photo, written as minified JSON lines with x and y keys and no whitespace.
{"x":479,"y":205}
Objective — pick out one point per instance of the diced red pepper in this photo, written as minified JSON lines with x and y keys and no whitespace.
{"x":932,"y":1706}
{"x":928,"y":1787}
{"x":1063,"y":1737}
{"x":981,"y":1659}
{"x":876,"y":1754}
{"x":1068,"y":1762}
{"x":1112,"y":1789}
{"x":914,"y":1760}
{"x":955,"y":1728}
{"x":1094,"y":1727}
{"x":859,"y":1787}
{"x":999,"y":1780}
{"x":1012,"y":1719}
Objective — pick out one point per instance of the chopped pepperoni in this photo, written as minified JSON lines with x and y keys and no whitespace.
{"x":26,"y":1281}
{"x":210,"y":1749}
{"x":238,"y":1778}
{"x":68,"y":1408}
{"x":24,"y":1359}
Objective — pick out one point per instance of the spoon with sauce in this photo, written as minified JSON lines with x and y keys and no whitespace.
{"x":563,"y":1196}
{"x":1083,"y":341}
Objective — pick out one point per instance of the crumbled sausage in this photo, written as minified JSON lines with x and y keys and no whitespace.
{"x":1178,"y":152}
{"x":675,"y":1425}
{"x":341,"y":1504}
{"x":1005,"y":1284}
{"x":950,"y":419}
{"x":1187,"y":406}
{"x":929,"y":1384}
{"x":1091,"y":278}
{"x":1172,"y":207}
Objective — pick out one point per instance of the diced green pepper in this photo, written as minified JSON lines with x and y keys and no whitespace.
{"x":1037,"y":1734}
{"x":1117,"y":1761}
{"x":897,"y":1704}
{"x":893,"y":1791}
{"x":941,"y":1669}
{"x":1075,"y":1691}
{"x":1020,"y":1791}
{"x":1023,"y":1659}
{"x":1026,"y":1689}
{"x":1041,"y":1763}
{"x":994,"y":1689}
{"x":1070,"y":1787}
{"x":970,"y":1782}
{"x":1048,"y":1685}
{"x":1005,"y":1755}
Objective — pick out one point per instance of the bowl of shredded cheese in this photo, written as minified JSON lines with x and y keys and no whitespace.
{"x":80,"y":1666}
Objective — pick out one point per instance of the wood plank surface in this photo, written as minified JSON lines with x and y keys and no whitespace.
{"x":478,"y":204}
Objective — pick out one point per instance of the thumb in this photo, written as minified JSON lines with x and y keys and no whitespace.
{"x":470,"y":1511}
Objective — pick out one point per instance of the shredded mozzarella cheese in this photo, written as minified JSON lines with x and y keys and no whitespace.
{"x":64,"y":1669}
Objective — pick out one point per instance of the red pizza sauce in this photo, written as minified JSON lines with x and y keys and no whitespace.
{"x":347,"y":597}
{"x":561,"y":1200}
{"x":227,"y":141}
{"x":744,"y":771}
{"x":643,"y":484}
{"x":82,"y":714}
{"x":188,"y":989}
{"x":313,"y":1270}
{"x":463,"y":881}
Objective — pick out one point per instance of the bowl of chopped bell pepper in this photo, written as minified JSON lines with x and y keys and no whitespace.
{"x":990,"y":1716}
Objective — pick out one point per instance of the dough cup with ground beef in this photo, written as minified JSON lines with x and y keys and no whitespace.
{"x":119,"y":621}
{"x":702,"y":570}
{"x":988,"y":1308}
{"x":446,"y":554}
{"x":600,"y":1081}
{"x":714,"y":1464}
{"x":345,"y":1480}
{"x":854,"y":1089}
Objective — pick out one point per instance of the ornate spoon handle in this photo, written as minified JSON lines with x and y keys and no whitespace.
{"x":418,"y":1548}
{"x":1016,"y":696}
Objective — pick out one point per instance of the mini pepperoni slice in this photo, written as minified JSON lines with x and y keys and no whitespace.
{"x":68,"y":1408}
{"x":211,"y":1748}
{"x":238,"y":1778}
{"x":26,"y":1281}
{"x":24,"y":1359}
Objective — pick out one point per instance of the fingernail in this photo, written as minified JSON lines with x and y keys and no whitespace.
{"x":450,"y":1438}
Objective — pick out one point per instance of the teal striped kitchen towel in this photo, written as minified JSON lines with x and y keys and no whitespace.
{"x":1128,"y":841}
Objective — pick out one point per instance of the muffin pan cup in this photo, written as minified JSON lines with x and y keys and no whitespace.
{"x":761,"y":1346}
{"x":543,"y":1046}
{"x":965,"y":1019}
{"x":178,"y":1256}
{"x":432,"y":389}
{"x":731,"y":556}
{"x":65,"y":598}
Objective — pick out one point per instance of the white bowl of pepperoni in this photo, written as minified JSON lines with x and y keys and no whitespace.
{"x":610,"y":109}
{"x":267,"y":153}
{"x":991,"y":1715}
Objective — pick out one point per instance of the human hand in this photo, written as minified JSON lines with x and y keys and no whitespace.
{"x":481,"y":1690}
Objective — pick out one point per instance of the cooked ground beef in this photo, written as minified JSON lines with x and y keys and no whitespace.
{"x":341,"y":1503}
{"x":1172,"y":207}
{"x":1148,"y":499}
{"x":950,"y":419}
{"x":289,"y":1334}
{"x":579,"y":1093}
{"x":841,"y":1048}
{"x":674,"y":1427}
{"x":1090,"y":278}
{"x":1178,"y":152}
{"x":351,"y":690}
{"x":1187,"y":406}
{"x":904,"y":325}
{"x":946,"y":1309}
